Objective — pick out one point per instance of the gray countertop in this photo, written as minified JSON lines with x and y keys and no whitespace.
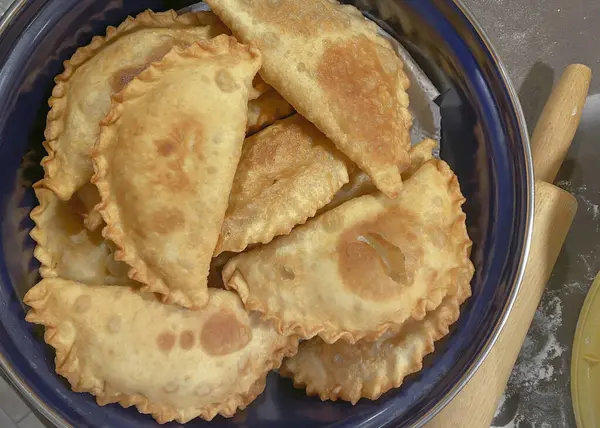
{"x":536,"y":39}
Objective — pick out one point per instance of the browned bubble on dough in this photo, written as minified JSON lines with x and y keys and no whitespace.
{"x":165,"y":341}
{"x":223,"y":334}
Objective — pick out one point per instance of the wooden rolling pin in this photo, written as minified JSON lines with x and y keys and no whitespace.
{"x":475,"y":405}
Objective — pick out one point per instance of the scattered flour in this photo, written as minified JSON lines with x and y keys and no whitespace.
{"x":539,"y":362}
{"x":588,"y":261}
{"x":584,"y":202}
{"x":589,"y":206}
{"x":537,"y":356}
{"x":538,"y":392}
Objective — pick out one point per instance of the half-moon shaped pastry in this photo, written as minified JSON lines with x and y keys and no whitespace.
{"x":328,"y":61}
{"x":370,"y":369}
{"x":124,"y":346}
{"x":66,"y":249}
{"x":265,"y":110}
{"x":81,"y":97}
{"x":165,"y":161}
{"x":286,"y":173}
{"x":364,"y":267}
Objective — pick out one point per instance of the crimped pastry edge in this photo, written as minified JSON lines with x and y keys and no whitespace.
{"x":68,"y":365}
{"x":58,"y":102}
{"x":387,"y":180}
{"x":139,"y":270}
{"x":38,"y":233}
{"x":233,"y":279}
{"x":374,"y":388}
{"x":238,"y":242}
{"x":459,"y":277}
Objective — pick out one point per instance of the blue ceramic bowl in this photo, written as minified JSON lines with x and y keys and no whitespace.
{"x":484,"y":141}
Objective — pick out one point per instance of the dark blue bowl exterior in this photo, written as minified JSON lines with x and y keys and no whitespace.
{"x":482,"y":141}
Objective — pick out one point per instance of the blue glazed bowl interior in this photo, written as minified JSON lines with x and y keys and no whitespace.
{"x":482,"y":141}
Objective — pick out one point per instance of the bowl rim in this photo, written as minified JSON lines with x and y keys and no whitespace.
{"x":59,"y":422}
{"x":530,"y":194}
{"x":7,"y":370}
{"x":15,"y":380}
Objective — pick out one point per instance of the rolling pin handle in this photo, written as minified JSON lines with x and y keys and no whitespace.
{"x":559,"y":121}
{"x":475,"y":405}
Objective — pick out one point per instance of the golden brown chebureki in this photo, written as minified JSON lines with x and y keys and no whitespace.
{"x":364,"y":267}
{"x":124,"y":346}
{"x":370,"y":369}
{"x":352,"y":240}
{"x":328,"y":61}
{"x":81,"y":97}
{"x":165,"y":162}
{"x":286,"y":173}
